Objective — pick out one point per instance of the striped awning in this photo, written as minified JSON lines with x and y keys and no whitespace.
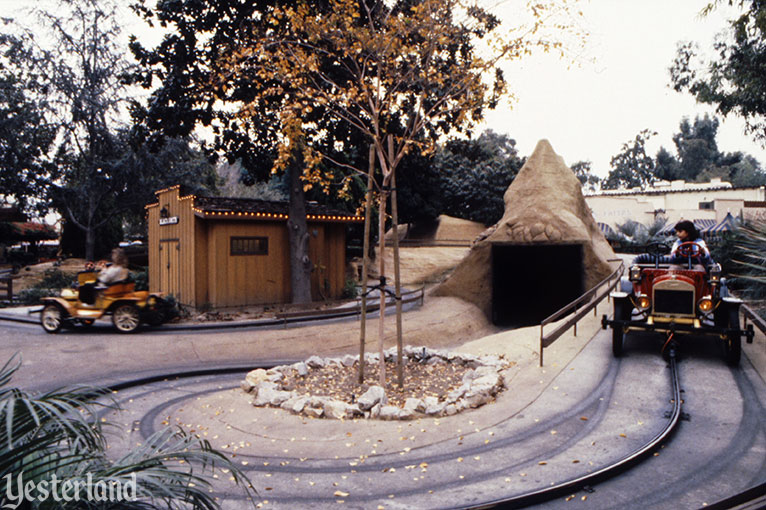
{"x":605,"y":229}
{"x":727,"y":224}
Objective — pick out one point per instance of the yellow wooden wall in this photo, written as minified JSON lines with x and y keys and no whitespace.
{"x":178,"y":279}
{"x":247,"y":279}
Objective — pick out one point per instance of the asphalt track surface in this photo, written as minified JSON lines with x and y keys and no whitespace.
{"x":596,"y":410}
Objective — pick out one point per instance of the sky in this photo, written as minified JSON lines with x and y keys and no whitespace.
{"x":618,"y":86}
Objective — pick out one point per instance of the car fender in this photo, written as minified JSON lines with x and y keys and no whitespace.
{"x":123,"y":300}
{"x":63,"y":303}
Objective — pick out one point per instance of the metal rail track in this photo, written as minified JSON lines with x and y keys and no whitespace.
{"x":518,"y":501}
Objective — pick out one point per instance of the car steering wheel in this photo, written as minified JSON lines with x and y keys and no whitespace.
{"x":689,"y":249}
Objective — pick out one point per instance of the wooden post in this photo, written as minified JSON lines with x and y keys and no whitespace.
{"x":365,"y":264}
{"x":397,"y":274}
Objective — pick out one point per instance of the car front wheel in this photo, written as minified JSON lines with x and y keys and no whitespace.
{"x":126,"y":318}
{"x":732,"y":345}
{"x":621,"y":312}
{"x":52,"y":318}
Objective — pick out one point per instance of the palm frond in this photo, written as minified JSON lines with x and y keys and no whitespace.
{"x":60,"y":433}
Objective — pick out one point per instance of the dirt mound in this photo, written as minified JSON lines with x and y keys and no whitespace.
{"x":544,"y":206}
{"x":444,"y":229}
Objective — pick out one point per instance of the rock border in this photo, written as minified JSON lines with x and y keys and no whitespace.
{"x":485,"y":379}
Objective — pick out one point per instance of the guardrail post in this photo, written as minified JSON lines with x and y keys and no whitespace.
{"x":575,"y":324}
{"x":541,"y":345}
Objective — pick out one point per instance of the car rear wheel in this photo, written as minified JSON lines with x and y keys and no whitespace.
{"x":732,"y":345}
{"x":52,"y":318}
{"x":621,"y":312}
{"x":126,"y":318}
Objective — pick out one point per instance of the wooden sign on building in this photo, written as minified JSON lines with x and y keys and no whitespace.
{"x":223,"y":252}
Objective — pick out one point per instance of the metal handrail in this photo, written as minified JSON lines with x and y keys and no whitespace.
{"x":408,"y":296}
{"x":592,"y":301}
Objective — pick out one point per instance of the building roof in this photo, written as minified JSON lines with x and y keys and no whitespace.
{"x":213,"y":207}
{"x":665,"y":189}
{"x":251,"y":208}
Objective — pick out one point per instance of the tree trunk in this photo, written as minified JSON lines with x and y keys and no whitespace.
{"x":365,"y":264}
{"x":382,"y":273}
{"x":298,"y":236}
{"x":397,"y":285}
{"x":90,"y":242}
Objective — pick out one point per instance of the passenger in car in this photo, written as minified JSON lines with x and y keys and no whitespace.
{"x":686,"y":232}
{"x":116,"y":271}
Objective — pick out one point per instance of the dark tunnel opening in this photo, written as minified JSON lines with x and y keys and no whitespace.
{"x":530,"y":282}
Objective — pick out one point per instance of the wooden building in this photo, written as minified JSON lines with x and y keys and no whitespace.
{"x":224,"y":252}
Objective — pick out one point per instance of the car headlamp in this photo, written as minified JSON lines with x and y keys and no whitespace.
{"x":634,"y":274}
{"x":705,"y":304}
{"x":715,"y":274}
{"x":643,"y":302}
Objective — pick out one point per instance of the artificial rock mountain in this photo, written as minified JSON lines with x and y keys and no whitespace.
{"x":544,"y":205}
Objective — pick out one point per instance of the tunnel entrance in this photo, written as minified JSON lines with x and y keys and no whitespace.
{"x":530,"y":282}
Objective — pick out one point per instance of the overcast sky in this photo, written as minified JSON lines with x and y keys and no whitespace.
{"x":589,"y":111}
{"x":619,"y":87}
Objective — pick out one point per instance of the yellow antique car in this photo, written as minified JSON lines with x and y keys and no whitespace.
{"x":90,"y":301}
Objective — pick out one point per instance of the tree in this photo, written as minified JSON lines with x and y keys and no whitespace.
{"x":82,"y":72}
{"x":735,"y":80}
{"x":398,"y":74}
{"x":698,"y":158}
{"x":632,"y":167}
{"x":26,"y":136}
{"x":60,"y":434}
{"x":475,"y":175}
{"x":583,"y":171}
{"x":186,"y":62}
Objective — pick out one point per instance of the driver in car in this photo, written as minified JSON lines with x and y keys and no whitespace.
{"x":686,"y":232}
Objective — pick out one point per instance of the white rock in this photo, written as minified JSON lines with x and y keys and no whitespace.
{"x":335,"y":409}
{"x":267,"y":396}
{"x":457,"y":393}
{"x":476,"y":399}
{"x":295,"y":404}
{"x":301,"y":368}
{"x":254,"y":377}
{"x":489,"y":381}
{"x":315,"y":362}
{"x":450,"y":410}
{"x":389,"y":413}
{"x":266,"y":385}
{"x":313,"y":412}
{"x":348,"y":360}
{"x":374,"y":395}
{"x":276,"y":376}
{"x":406,"y":414}
{"x":414,"y":404}
{"x":435,"y":408}
{"x":246,"y":386}
{"x":375,"y":411}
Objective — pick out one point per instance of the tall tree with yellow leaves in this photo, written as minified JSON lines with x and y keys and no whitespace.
{"x":401,"y":73}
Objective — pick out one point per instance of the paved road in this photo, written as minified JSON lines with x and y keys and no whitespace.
{"x":100,"y":355}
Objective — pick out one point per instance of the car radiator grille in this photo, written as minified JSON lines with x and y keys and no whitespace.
{"x":674,"y":302}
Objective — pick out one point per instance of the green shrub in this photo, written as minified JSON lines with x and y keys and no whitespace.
{"x":141,"y":278}
{"x":350,"y":289}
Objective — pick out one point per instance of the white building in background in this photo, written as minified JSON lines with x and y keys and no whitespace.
{"x":677,"y":200}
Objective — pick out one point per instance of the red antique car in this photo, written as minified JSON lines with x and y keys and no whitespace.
{"x":684,"y":295}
